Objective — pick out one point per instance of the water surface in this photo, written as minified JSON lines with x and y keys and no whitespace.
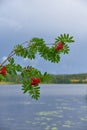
{"x":60,"y":107}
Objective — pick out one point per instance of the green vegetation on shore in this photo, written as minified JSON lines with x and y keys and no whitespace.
{"x":69,"y":78}
{"x":58,"y":79}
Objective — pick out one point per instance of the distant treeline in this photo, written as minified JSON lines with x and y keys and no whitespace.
{"x":69,"y":78}
{"x":58,"y":79}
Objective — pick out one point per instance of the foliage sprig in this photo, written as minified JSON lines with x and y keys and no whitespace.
{"x":31,"y":77}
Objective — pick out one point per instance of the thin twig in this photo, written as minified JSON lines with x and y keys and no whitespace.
{"x":12,"y":53}
{"x":8,"y":57}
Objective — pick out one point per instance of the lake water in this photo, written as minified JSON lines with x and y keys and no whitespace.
{"x":60,"y":107}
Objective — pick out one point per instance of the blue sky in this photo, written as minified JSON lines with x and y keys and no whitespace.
{"x":21,"y":20}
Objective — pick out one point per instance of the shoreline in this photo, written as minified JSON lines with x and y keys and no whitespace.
{"x":2,"y":83}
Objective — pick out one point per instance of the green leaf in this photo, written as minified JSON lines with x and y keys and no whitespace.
{"x":11,"y":60}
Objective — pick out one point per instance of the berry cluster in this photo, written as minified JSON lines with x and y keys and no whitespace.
{"x":59,"y":46}
{"x":35,"y":81}
{"x":3,"y":70}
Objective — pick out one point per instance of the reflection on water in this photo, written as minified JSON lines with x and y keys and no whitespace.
{"x":60,"y":107}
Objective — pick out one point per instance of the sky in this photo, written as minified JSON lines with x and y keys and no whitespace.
{"x":21,"y":20}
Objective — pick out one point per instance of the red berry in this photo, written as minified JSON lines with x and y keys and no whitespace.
{"x":3,"y":70}
{"x":35,"y":81}
{"x":59,"y":46}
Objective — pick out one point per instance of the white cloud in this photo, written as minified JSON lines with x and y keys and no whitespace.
{"x":3,"y":59}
